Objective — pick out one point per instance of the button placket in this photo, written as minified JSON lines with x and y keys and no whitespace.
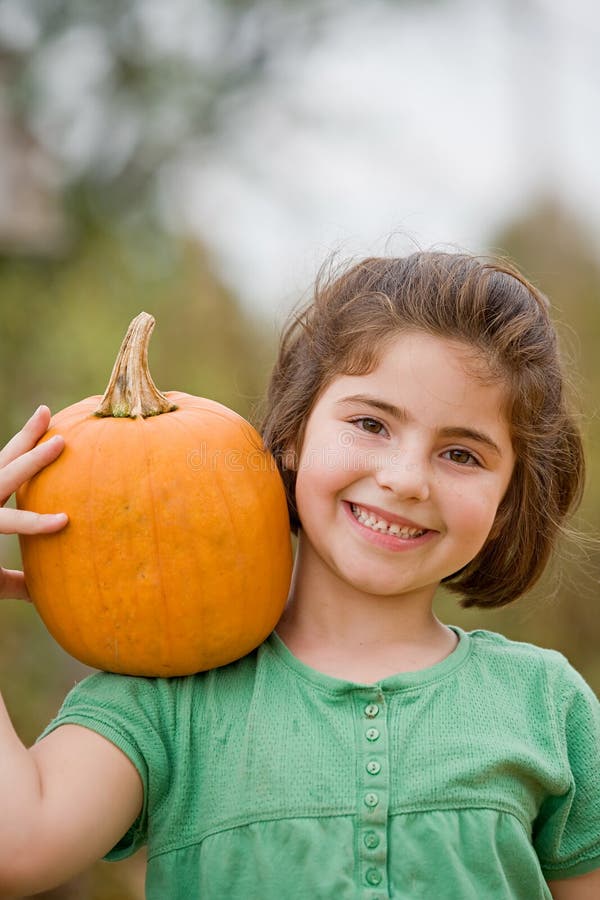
{"x":373,"y":793}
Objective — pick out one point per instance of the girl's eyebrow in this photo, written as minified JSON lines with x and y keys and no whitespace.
{"x":481,"y":437}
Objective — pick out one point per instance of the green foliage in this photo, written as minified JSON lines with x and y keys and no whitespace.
{"x":62,"y":322}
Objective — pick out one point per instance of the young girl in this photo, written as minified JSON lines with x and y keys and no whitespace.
{"x":365,"y":750}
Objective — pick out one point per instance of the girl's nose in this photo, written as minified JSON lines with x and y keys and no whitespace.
{"x":406,"y":475}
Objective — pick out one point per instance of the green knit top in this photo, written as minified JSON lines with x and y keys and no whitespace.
{"x":478,"y":777}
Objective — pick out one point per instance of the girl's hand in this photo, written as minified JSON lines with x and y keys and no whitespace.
{"x":19,"y":461}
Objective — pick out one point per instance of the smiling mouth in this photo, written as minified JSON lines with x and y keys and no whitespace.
{"x":376,"y":523}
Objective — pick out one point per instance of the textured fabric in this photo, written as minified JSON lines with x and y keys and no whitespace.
{"x":478,"y":777}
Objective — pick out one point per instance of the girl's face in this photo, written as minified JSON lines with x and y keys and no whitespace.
{"x":402,"y":470}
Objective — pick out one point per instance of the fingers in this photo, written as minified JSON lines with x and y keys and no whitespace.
{"x":20,"y":460}
{"x":24,"y":467}
{"x":22,"y":521}
{"x":27,"y":437}
{"x":12,"y":585}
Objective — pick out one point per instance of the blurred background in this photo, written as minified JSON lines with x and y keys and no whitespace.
{"x":200,"y":159}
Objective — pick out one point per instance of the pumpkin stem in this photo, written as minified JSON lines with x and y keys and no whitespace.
{"x":131,"y":391}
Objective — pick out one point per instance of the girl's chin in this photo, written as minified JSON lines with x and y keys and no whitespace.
{"x":385,"y":586}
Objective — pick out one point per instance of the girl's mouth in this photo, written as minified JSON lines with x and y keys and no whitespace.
{"x":380,"y":525}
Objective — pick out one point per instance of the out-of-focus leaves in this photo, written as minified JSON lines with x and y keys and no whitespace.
{"x":115,"y":90}
{"x":61,"y":324}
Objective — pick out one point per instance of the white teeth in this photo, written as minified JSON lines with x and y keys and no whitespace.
{"x":382,"y":526}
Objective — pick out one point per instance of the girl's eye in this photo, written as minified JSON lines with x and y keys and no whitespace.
{"x":462,"y":457}
{"x":365,"y":423}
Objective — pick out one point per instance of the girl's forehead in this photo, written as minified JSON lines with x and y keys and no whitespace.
{"x":429,"y":376}
{"x":427,"y":358}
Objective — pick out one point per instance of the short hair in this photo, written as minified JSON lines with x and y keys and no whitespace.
{"x":489,"y":305}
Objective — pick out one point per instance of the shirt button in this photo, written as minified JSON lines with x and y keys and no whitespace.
{"x":372,"y":734}
{"x":371,"y":710}
{"x":373,"y":767}
{"x":371,"y":840}
{"x":371,"y":799}
{"x":373,"y":876}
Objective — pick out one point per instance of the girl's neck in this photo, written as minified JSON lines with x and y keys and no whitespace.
{"x":359,"y":637}
{"x":364,"y":659}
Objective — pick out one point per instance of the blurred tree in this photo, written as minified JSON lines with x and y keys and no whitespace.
{"x":120,"y":94}
{"x":115,"y":90}
{"x":61,"y":323}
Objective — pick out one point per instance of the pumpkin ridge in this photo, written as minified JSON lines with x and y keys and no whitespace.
{"x":79,"y":634}
{"x":92,"y":539}
{"x":72,"y":634}
{"x":263,"y":514}
{"x":61,"y":420}
{"x":241,"y":587}
{"x":183,"y":421}
{"x":210,"y":406}
{"x":166,"y":631}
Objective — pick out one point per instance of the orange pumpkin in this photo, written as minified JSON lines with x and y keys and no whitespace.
{"x":177,"y":554}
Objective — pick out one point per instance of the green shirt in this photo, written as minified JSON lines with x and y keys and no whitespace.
{"x":478,"y":777}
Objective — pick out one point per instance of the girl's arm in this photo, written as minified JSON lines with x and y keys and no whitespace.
{"x":582,"y":887}
{"x":69,"y":799}
{"x":65,"y":803}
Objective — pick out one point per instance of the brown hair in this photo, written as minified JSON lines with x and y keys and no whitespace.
{"x":488,"y":304}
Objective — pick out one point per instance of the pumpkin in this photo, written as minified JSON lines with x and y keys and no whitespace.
{"x":177,"y":554}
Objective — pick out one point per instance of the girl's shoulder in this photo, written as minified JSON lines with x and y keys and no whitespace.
{"x":522,"y":663}
{"x":159,"y":699}
{"x":499,"y":646}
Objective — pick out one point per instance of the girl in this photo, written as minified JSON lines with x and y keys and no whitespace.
{"x":365,"y":750}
